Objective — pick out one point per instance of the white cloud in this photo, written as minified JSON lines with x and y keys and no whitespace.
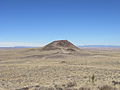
{"x":13,"y":44}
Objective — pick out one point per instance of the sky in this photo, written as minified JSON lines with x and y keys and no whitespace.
{"x":38,"y":22}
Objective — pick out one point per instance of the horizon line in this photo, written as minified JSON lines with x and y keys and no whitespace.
{"x":28,"y":44}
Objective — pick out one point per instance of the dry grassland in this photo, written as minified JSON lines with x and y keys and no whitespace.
{"x":34,"y":69}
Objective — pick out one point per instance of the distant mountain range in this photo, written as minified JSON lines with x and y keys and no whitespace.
{"x":99,"y":46}
{"x":113,"y":46}
{"x":18,"y":47}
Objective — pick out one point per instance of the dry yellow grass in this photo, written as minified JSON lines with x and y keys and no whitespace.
{"x":30,"y":67}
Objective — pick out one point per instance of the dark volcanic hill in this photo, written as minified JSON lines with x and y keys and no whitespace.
{"x":63,"y":45}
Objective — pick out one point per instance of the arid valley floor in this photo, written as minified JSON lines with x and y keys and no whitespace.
{"x":37,"y":69}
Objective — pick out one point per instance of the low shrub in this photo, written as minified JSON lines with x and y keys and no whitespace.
{"x":106,"y":87}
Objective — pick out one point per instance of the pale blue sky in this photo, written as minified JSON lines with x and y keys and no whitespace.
{"x":37,"y":22}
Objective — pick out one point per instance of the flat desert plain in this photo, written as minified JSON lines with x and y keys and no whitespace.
{"x":37,"y":69}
